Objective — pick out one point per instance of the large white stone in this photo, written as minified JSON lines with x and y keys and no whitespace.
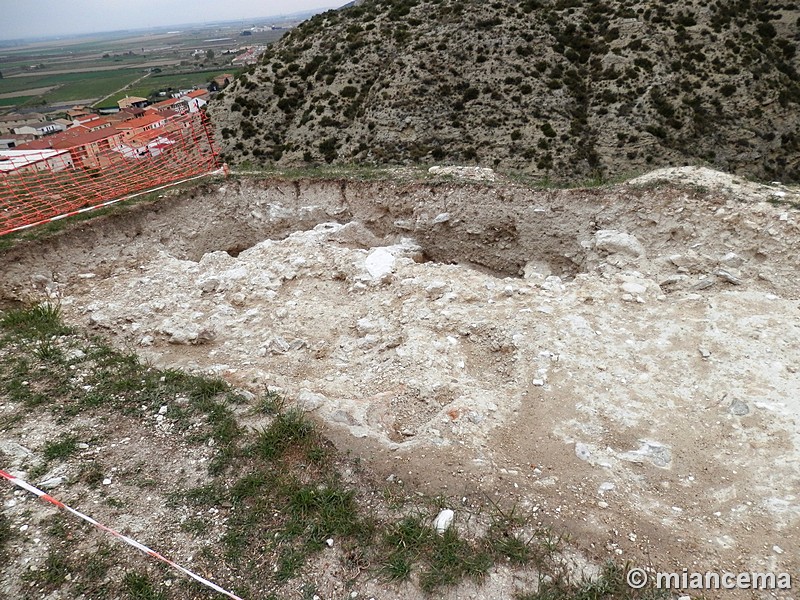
{"x":380,"y":263}
{"x":618,"y":242}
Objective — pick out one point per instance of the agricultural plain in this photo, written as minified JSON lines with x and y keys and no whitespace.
{"x":100,"y":69}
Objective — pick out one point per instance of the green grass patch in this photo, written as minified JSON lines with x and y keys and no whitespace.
{"x":72,"y":85}
{"x":93,"y":570}
{"x":288,"y":429}
{"x":6,"y":535}
{"x":52,"y":574}
{"x":139,"y":587}
{"x":43,"y":320}
{"x":61,"y":450}
{"x":34,"y":372}
{"x":444,"y":559}
{"x":17,"y":100}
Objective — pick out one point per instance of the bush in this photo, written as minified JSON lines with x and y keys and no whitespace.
{"x":471,"y":94}
{"x":248,"y":130}
{"x":548,"y":130}
{"x":328,"y":149}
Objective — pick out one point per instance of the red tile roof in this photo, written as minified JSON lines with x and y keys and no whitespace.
{"x":145,"y":137}
{"x":133,"y":111}
{"x":95,"y":123}
{"x":165,"y":103}
{"x":72,"y":138}
{"x":141,"y":122}
{"x":197,"y":93}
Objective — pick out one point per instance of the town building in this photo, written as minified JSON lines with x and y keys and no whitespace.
{"x":171,"y":104}
{"x":77,"y":112}
{"x":88,"y":149}
{"x":27,"y":161}
{"x":153,"y":120}
{"x":39,"y":129}
{"x":10,"y":121}
{"x":132,"y":101}
{"x":221,"y":81}
{"x":92,"y":123}
{"x":12,"y":140}
{"x":249,"y":57}
{"x":147,"y":144}
{"x":201,"y":94}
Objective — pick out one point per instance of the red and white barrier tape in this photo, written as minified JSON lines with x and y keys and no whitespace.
{"x":47,"y":498}
{"x":221,"y":171}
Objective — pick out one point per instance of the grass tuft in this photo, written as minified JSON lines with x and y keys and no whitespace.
{"x":291,"y":428}
{"x":139,"y":587}
{"x":38,"y":322}
{"x":450,"y":559}
{"x":611,"y":584}
{"x":61,"y":450}
{"x":54,"y":572}
{"x":6,"y":535}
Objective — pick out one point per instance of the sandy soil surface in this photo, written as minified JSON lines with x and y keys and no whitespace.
{"x":621,"y":361}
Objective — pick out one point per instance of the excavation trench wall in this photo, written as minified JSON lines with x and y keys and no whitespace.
{"x":499,"y":229}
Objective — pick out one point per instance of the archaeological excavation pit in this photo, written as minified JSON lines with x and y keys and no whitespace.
{"x":620,"y":360}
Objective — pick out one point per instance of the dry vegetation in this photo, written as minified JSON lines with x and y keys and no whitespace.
{"x":561,"y":88}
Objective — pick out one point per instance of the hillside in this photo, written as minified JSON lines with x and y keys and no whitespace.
{"x":558,"y":88}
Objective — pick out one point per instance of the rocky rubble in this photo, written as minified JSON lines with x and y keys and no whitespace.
{"x":620,"y":359}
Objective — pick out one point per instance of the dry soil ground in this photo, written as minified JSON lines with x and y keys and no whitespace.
{"x":621,"y":361}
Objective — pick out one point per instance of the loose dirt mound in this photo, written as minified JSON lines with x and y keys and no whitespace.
{"x":621,"y":360}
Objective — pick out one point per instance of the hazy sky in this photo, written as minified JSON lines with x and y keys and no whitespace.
{"x":35,"y":18}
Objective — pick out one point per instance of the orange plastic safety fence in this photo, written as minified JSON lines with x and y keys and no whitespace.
{"x":81,"y":169}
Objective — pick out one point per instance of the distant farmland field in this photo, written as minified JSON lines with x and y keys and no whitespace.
{"x":15,"y":101}
{"x":71,"y":85}
{"x":58,"y":72}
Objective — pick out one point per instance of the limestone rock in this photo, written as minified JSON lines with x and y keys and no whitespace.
{"x":612,"y":241}
{"x":473,"y":173}
{"x":310,"y":401}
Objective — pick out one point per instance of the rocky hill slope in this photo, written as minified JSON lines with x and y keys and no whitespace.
{"x":558,"y":88}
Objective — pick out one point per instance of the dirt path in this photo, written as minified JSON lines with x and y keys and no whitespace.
{"x":122,"y":89}
{"x":621,"y":361}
